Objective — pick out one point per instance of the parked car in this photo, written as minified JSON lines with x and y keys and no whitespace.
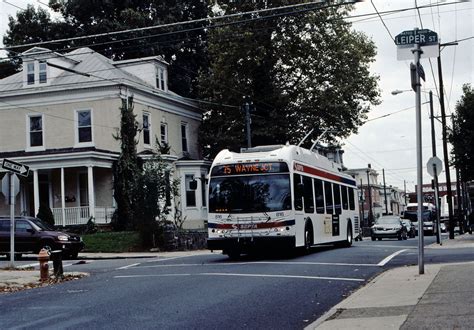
{"x":389,"y":226}
{"x":31,"y":235}
{"x":410,"y":227}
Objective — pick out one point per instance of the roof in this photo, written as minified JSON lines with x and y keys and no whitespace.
{"x":86,"y":60}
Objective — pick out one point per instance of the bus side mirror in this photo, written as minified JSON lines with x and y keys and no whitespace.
{"x":193,"y":184}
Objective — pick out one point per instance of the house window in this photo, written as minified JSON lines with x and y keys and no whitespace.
{"x":84,"y":126}
{"x":42,"y":73}
{"x":184,"y":138}
{"x":190,"y":194}
{"x":146,"y":129}
{"x":164,"y":133}
{"x":160,"y":79}
{"x":35,"y":131}
{"x":30,"y":73}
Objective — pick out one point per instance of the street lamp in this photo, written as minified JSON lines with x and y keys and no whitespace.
{"x":398,"y":91}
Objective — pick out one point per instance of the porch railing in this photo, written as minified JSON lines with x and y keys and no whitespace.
{"x":80,"y":215}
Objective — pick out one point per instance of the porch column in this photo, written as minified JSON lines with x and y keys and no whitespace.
{"x":90,"y":187}
{"x":36,"y":197}
{"x":63,"y":200}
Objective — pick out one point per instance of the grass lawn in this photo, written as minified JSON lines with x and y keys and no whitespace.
{"x":123,"y":241}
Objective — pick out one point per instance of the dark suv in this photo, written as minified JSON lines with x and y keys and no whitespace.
{"x":31,"y":235}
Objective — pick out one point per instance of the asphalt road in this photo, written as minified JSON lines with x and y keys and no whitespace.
{"x":210,"y":291}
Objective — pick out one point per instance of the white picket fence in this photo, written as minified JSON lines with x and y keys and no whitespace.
{"x":80,"y":215}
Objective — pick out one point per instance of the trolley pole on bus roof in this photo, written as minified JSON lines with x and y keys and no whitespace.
{"x":248,"y":107}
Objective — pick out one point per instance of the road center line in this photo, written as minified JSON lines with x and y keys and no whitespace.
{"x":250,"y":275}
{"x":266,"y":263}
{"x":128,"y":266}
{"x":387,"y":246}
{"x":390,"y":257}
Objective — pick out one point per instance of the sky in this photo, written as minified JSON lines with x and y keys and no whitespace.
{"x":389,"y":142}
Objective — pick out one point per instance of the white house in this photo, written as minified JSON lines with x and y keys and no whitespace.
{"x":59,"y":116}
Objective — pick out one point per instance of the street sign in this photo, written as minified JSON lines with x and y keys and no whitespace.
{"x":427,"y":39}
{"x":5,"y":188}
{"x":15,"y":167}
{"x":422,"y":37}
{"x":437,"y":162}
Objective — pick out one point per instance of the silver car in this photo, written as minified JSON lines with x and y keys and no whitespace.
{"x":389,"y":226}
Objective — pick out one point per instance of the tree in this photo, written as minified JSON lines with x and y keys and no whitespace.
{"x":157,"y":190}
{"x":185,"y":51}
{"x":45,"y":214}
{"x":462,"y":135}
{"x":302,"y":72}
{"x":31,"y":25}
{"x":126,"y":170}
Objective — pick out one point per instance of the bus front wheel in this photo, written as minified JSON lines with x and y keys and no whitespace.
{"x":349,"y":236}
{"x":308,"y":237}
{"x":233,"y":253}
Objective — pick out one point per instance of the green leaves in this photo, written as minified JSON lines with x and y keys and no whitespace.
{"x":462,"y":134}
{"x":301,"y":71}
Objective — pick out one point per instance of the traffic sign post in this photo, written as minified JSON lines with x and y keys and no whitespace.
{"x":13,"y":168}
{"x":434,"y":167}
{"x":415,"y":43}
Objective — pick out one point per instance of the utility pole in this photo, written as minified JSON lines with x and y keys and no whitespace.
{"x":460,"y":202}
{"x":362,"y":200}
{"x":247,"y":107}
{"x":419,"y":159}
{"x":459,"y":198}
{"x":385,"y":192}
{"x":445,"y":149}
{"x":370,"y":216}
{"x":405,"y":194}
{"x":435,"y":170}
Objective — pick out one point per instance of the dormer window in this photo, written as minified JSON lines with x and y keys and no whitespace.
{"x":36,"y":73}
{"x":30,"y":75}
{"x":161,"y":79}
{"x":42,"y":73}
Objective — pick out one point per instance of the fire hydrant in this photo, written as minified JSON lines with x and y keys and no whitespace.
{"x":43,"y":258}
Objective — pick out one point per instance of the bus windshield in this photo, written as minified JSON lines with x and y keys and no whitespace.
{"x":250,"y":194}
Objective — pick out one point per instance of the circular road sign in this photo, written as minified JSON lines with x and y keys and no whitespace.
{"x":434,"y":161}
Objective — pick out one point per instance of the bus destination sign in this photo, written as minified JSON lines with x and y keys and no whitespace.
{"x":249,"y":168}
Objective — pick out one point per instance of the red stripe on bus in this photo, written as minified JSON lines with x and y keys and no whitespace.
{"x":314,"y":171}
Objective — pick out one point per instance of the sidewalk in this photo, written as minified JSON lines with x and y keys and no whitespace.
{"x":400,"y":298}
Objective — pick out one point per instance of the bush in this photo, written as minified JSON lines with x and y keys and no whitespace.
{"x":123,"y":241}
{"x":45,"y":214}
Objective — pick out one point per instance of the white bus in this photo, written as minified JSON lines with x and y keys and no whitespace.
{"x":285,"y":196}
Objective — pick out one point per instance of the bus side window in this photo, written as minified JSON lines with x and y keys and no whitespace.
{"x":319,"y":193}
{"x":308,"y":195}
{"x":345,"y":204}
{"x":328,"y":197}
{"x":337,"y":198}
{"x":298,"y":203}
{"x":351,"y":199}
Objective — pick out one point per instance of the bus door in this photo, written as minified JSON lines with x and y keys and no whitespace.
{"x":298,"y":192}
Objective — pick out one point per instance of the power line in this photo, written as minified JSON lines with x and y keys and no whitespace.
{"x":380,"y":16}
{"x":389,"y":114}
{"x":341,"y":3}
{"x":200,"y":20}
{"x":373,"y":159}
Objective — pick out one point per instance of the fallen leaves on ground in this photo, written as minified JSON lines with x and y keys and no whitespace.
{"x":53,"y":280}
